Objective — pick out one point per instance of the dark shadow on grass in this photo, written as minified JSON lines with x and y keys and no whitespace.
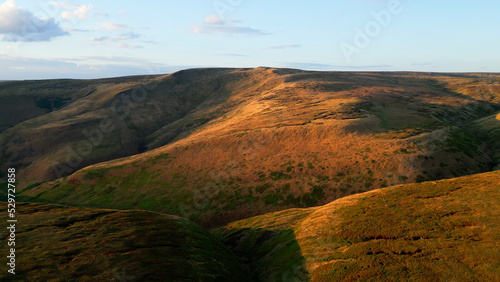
{"x":271,"y":255}
{"x":71,"y":244}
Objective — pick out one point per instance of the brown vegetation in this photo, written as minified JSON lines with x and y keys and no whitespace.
{"x":241,"y":142}
{"x":433,"y":231}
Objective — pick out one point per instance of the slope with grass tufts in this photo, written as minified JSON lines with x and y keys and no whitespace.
{"x":433,"y":231}
{"x":105,"y":120}
{"x":267,"y":139}
{"x":69,"y":244}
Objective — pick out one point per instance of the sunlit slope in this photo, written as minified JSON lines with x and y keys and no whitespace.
{"x":433,"y":231}
{"x":308,"y":139}
{"x":57,"y":243}
{"x":117,"y":119}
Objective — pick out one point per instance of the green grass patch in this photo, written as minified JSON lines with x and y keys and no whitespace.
{"x":278,"y":175}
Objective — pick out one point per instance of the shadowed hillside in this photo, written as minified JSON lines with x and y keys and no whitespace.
{"x":69,"y":244}
{"x":232,"y":143}
{"x":488,"y":129}
{"x":24,"y":100}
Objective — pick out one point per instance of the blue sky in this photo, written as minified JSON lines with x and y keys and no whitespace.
{"x":91,"y":39}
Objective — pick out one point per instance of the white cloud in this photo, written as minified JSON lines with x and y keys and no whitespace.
{"x":10,"y":47}
{"x":216,"y":19}
{"x":122,"y":12}
{"x":213,"y":19}
{"x":18,"y":24}
{"x":80,"y":13}
{"x":113,"y":26}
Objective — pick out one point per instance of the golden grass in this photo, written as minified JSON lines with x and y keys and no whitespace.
{"x":298,"y":158}
{"x":232,"y":143}
{"x":229,"y":101}
{"x":278,"y":142}
{"x":432,"y":231}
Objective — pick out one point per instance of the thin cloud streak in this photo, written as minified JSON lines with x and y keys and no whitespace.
{"x":286,"y":46}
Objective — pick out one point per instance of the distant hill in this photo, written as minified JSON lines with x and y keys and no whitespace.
{"x":217,"y":145}
{"x":24,"y":100}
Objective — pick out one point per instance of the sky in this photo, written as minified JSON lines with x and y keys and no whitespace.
{"x":45,"y":39}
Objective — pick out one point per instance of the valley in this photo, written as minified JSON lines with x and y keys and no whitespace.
{"x":260,"y":174}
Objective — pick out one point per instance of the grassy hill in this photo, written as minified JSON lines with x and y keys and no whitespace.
{"x":226,"y":144}
{"x":58,"y":243}
{"x":433,"y":231}
{"x":488,"y":129}
{"x":106,"y":119}
{"x":139,"y":162}
{"x":24,"y":100}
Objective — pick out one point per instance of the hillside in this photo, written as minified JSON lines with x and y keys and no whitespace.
{"x":433,"y":231}
{"x":112,"y":120}
{"x":69,"y":244}
{"x":217,"y":145}
{"x":24,"y":100}
{"x":488,"y":129}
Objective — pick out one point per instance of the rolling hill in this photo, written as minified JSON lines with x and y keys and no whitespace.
{"x":255,"y":175}
{"x":24,"y":100}
{"x":217,"y":145}
{"x":432,"y":231}
{"x":58,"y":243}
